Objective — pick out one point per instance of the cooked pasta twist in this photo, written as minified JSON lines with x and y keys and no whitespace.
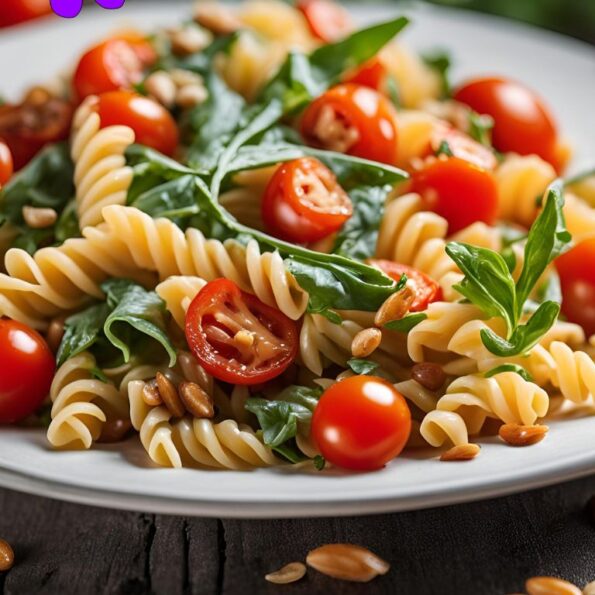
{"x":101,"y":175}
{"x":81,"y":404}
{"x":580,"y":217}
{"x":416,"y":129}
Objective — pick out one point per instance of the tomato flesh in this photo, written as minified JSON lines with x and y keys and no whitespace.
{"x":328,"y":21}
{"x":153,"y":125}
{"x":303,"y":202}
{"x":426,"y":289}
{"x":457,"y":190}
{"x":522,"y":123}
{"x":6,"y":163}
{"x":361,"y":423}
{"x":464,"y":147}
{"x":238,"y":339}
{"x":14,"y":12}
{"x":577,"y":278}
{"x":353,"y":119}
{"x":27,"y":368}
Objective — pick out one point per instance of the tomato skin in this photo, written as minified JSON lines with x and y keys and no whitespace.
{"x":14,"y":12}
{"x":457,"y":190}
{"x":6,"y":163}
{"x":142,"y":47}
{"x":367,"y":111}
{"x":328,"y":21}
{"x":577,"y":278}
{"x":372,"y":73}
{"x":27,"y":366}
{"x":222,"y":359}
{"x":426,"y":289}
{"x":286,"y":210}
{"x":153,"y":125}
{"x":361,"y":423}
{"x":464,"y":147}
{"x":522,"y":123}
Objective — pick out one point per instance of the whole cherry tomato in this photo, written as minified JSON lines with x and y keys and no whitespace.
{"x":372,"y":73}
{"x":577,"y":278}
{"x":303,"y":202}
{"x":238,"y":339}
{"x":14,"y":12}
{"x":463,"y":146}
{"x":6,"y":163}
{"x":522,"y":123}
{"x":327,"y":20}
{"x":426,"y":289}
{"x":353,"y":119}
{"x":457,"y":190}
{"x":153,"y":125}
{"x":361,"y":423}
{"x":26,"y":370}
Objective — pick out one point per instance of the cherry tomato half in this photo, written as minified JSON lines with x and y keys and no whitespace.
{"x":361,"y":423}
{"x":6,"y":163}
{"x":142,"y":47}
{"x":577,"y":278}
{"x":464,"y":147}
{"x":522,"y":123}
{"x":27,"y":366}
{"x":457,"y":190}
{"x":153,"y":125}
{"x":14,"y":12}
{"x":238,"y":339}
{"x":372,"y":73}
{"x":303,"y":202}
{"x":353,"y":119}
{"x":327,"y":20}
{"x":426,"y":289}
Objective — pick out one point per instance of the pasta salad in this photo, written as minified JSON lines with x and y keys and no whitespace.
{"x":265,"y":237}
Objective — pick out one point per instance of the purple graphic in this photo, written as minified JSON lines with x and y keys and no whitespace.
{"x":71,"y":8}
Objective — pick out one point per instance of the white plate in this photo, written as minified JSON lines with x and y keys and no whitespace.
{"x":562,"y":70}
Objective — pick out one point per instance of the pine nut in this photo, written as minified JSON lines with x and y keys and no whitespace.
{"x":517,"y":435}
{"x":290,"y":573}
{"x":169,"y":395}
{"x":188,"y":40}
{"x":589,"y":589}
{"x":244,"y":338}
{"x":430,"y":376}
{"x":549,"y":585}
{"x":191,"y":95}
{"x":216,"y":18}
{"x":6,"y":556}
{"x":463,"y":452}
{"x":182,"y":77}
{"x":197,"y":401}
{"x":37,"y":218}
{"x":161,"y":87}
{"x":395,"y":307}
{"x":151,"y":394}
{"x":115,"y":430}
{"x":55,"y":333}
{"x":366,"y":342}
{"x":347,"y":562}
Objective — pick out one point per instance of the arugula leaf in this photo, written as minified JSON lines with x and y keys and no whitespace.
{"x":444,"y":149}
{"x":319,"y":462}
{"x":362,"y":366}
{"x":480,"y":128}
{"x":440,"y":62}
{"x":404,"y":325}
{"x":510,"y":368}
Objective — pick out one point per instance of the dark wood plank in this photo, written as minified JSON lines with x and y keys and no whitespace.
{"x":482,"y":548}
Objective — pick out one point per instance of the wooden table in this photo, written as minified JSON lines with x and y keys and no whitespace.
{"x":482,"y":548}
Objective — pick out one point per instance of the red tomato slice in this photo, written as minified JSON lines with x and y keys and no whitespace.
{"x":355,"y":120}
{"x":371,"y":74}
{"x":426,"y":289}
{"x":464,"y":147}
{"x":457,"y":190}
{"x":6,"y":163}
{"x":140,"y":44}
{"x":238,"y":339}
{"x":153,"y":125}
{"x":14,"y":12}
{"x":577,"y":278}
{"x":303,"y":202}
{"x":522,"y":123}
{"x":327,"y":20}
{"x":27,"y":368}
{"x":361,"y":423}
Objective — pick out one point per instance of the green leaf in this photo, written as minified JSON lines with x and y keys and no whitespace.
{"x":510,"y":368}
{"x":404,"y":325}
{"x":440,"y":62}
{"x":444,"y":149}
{"x":67,"y":225}
{"x":480,"y":128}
{"x":319,"y":462}
{"x":362,"y":366}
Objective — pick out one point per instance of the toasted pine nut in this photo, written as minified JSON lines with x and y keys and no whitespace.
{"x":463,"y":452}
{"x":589,"y":589}
{"x":115,"y":430}
{"x":216,"y":18}
{"x":161,"y":87}
{"x":517,"y":435}
{"x":549,"y":585}
{"x":151,"y":395}
{"x":38,"y":218}
{"x":188,"y":40}
{"x":197,"y":401}
{"x":244,"y":338}
{"x":366,"y":342}
{"x":6,"y":556}
{"x":55,"y":333}
{"x":191,"y":95}
{"x":347,"y":562}
{"x":182,"y":77}
{"x":430,"y":376}
{"x":290,"y":573}
{"x":395,"y":307}
{"x":169,"y":395}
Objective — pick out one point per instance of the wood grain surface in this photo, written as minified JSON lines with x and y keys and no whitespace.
{"x":482,"y":548}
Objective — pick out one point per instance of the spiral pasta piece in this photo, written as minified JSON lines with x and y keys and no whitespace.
{"x":573,"y":373}
{"x":580,"y":218}
{"x":416,"y":129}
{"x":81,"y":404}
{"x":101,"y":176}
